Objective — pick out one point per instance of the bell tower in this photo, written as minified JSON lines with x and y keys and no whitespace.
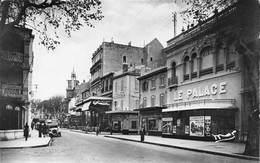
{"x":72,"y":83}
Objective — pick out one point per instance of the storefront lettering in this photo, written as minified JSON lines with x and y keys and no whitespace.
{"x":201,"y":91}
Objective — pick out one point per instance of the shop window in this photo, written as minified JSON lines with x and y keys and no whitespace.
{"x":133,"y":125}
{"x":152,"y":125}
{"x":167,"y":126}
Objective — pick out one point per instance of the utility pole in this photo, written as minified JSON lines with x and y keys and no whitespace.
{"x":174,"y":15}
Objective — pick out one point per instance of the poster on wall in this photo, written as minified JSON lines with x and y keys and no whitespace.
{"x":167,"y":126}
{"x":207,"y":125}
{"x":197,"y":126}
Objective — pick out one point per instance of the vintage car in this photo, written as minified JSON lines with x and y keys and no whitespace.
{"x":54,"y":130}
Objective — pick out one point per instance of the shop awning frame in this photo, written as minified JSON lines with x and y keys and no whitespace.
{"x":197,"y":108}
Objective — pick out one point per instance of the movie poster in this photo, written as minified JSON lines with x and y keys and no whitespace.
{"x":197,"y":126}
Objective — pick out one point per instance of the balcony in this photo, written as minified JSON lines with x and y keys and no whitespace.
{"x":11,"y":56}
{"x":173,"y":81}
{"x":11,"y":91}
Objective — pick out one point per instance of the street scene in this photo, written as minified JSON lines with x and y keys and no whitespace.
{"x":75,"y":146}
{"x":129,"y":81}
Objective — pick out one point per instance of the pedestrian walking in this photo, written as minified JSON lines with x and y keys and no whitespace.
{"x":44,"y":130}
{"x":40,"y":130}
{"x":142,"y":132}
{"x":26,"y":131}
{"x":32,"y":125}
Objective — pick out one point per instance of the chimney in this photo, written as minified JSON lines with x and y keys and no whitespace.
{"x":125,"y":67}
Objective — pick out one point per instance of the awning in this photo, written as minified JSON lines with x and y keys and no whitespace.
{"x":122,"y":112}
{"x":197,"y":108}
{"x":155,"y":108}
{"x":86,"y":106}
{"x":98,"y":98}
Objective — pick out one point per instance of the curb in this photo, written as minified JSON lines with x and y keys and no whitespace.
{"x":36,"y":146}
{"x":191,"y":149}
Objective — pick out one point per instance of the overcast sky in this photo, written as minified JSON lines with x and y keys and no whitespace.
{"x":138,"y":21}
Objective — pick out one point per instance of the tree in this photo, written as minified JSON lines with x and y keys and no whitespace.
{"x":247,"y":41}
{"x":46,"y":16}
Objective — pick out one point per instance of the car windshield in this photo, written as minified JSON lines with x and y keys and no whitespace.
{"x":53,"y":126}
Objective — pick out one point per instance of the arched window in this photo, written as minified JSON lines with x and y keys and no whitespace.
{"x":173,"y":67}
{"x":152,"y":100}
{"x":144,"y":102}
{"x":186,"y":67}
{"x":207,"y":58}
{"x":124,"y":59}
{"x":194,"y":65}
{"x":206,"y":61}
{"x":162,"y":99}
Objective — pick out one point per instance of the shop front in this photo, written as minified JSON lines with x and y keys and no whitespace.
{"x":124,"y":121}
{"x":151,"y":119}
{"x":199,"y":122}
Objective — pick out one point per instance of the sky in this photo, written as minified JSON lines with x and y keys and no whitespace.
{"x":138,"y":21}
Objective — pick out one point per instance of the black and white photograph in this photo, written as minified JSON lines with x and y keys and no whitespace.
{"x":129,"y":81}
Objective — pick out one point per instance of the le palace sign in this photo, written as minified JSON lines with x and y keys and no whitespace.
{"x":203,"y":91}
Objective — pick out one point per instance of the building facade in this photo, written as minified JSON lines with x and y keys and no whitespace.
{"x":122,"y":117}
{"x":207,"y":80}
{"x":16,"y":61}
{"x":153,"y":92}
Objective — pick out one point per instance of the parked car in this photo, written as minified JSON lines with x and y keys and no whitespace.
{"x":54,"y":130}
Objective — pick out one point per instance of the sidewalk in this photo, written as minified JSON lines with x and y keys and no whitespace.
{"x":32,"y":142}
{"x":230,"y":149}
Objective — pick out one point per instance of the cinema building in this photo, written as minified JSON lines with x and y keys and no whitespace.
{"x":207,"y":83}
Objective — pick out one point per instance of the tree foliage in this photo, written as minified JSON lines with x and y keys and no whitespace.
{"x":46,"y":16}
{"x":199,"y":10}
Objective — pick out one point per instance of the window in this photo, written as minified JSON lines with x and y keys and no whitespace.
{"x":153,"y":83}
{"x":186,"y":65}
{"x":207,"y":58}
{"x":152,"y":100}
{"x":173,"y":69}
{"x":136,"y":85}
{"x":115,"y":86}
{"x":151,"y":59}
{"x":152,"y":125}
{"x":122,"y":85}
{"x":133,"y":124}
{"x":162,"y":99}
{"x":122,"y":105}
{"x":144,"y":102}
{"x":115,"y":104}
{"x":162,"y":80}
{"x":194,"y":65}
{"x":142,"y":60}
{"x":124,"y":59}
{"x":136,"y":104}
{"x":145,"y":86}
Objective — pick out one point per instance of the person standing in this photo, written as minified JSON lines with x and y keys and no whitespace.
{"x":40,"y":130}
{"x":26,"y":131}
{"x":45,"y":130}
{"x":142,"y":133}
{"x":97,"y":130}
{"x":32,"y":125}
